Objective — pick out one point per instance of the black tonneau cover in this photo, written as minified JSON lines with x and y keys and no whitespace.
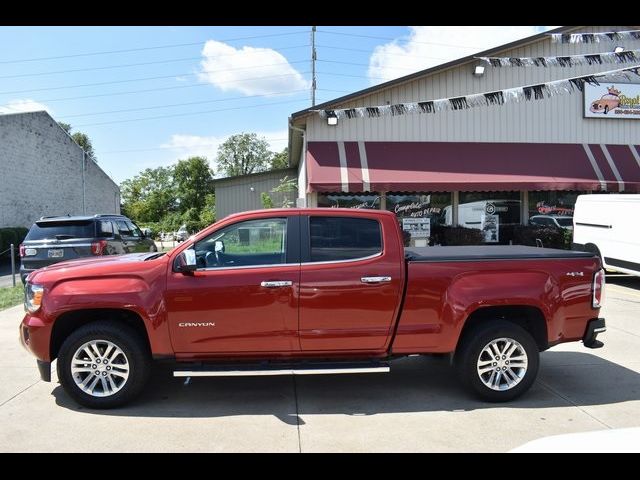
{"x":488,"y":252}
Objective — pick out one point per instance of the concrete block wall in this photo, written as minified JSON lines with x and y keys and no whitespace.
{"x":41,"y":173}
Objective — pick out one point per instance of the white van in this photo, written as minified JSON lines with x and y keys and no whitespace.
{"x":608,"y":224}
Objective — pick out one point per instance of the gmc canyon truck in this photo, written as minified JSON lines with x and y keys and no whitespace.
{"x":307,"y":291}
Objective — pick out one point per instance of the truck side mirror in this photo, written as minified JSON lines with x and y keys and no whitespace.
{"x":186,"y":261}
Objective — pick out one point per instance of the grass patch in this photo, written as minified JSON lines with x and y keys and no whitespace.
{"x":11,"y":296}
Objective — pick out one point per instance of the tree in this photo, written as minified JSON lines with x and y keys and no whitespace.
{"x":208,"y":213}
{"x":193,"y":181}
{"x":285,"y":187}
{"x":150,"y":195}
{"x":81,"y":139}
{"x":280,"y":160}
{"x":242,"y":154}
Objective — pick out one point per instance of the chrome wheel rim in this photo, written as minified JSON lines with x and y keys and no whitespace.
{"x":502,"y":364}
{"x":100,"y":368}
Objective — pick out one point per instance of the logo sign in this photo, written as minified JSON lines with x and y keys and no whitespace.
{"x":417,"y":227}
{"x":490,"y":208}
{"x":617,"y":100}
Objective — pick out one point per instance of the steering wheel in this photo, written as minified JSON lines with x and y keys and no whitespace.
{"x":211,"y":259}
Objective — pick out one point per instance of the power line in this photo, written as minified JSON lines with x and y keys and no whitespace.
{"x":113,"y":94}
{"x":154,"y":107}
{"x":187,"y":74}
{"x":228,"y":99}
{"x":155,"y":47}
{"x":392,"y":39}
{"x":174,"y":60}
{"x":369,"y":52}
{"x":176,"y":147}
{"x":366,"y":65}
{"x":189,"y":113}
{"x":353,"y":76}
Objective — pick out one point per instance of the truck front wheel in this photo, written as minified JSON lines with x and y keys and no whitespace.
{"x":103,"y":365}
{"x":498,"y":361}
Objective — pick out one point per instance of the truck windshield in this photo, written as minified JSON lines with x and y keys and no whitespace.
{"x":62,"y":230}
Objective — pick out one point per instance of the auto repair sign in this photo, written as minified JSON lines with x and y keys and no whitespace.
{"x":618,"y":100}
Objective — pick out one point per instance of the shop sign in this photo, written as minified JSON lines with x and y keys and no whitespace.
{"x":416,"y":209}
{"x":618,"y":100}
{"x":546,"y":209}
{"x":345,"y":202}
{"x":417,"y":227}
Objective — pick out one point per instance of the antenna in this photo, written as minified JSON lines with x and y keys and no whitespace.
{"x":313,"y":65}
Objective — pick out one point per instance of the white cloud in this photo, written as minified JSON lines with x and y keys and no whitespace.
{"x":21,"y":105}
{"x":232,"y":69}
{"x":207,"y":146}
{"x":403,"y":57}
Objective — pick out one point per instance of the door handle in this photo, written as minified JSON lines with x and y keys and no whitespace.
{"x":375,"y":279}
{"x":276,"y":284}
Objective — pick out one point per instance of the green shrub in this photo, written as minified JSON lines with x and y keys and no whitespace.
{"x":448,"y":236}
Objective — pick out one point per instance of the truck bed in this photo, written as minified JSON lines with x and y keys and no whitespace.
{"x":487,"y":252}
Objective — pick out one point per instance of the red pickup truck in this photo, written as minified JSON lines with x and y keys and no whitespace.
{"x":307,"y":291}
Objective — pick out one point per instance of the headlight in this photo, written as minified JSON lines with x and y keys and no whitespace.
{"x":33,"y":297}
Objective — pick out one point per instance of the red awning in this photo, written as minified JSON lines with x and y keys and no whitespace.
{"x":449,"y":166}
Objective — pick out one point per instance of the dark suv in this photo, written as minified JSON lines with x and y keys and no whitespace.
{"x":55,"y":239}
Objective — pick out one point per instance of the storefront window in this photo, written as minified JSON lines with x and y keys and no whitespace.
{"x":419,"y":214}
{"x":546,"y":208}
{"x":348,"y":200}
{"x":494,"y":213}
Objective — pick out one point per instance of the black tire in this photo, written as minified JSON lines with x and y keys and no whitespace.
{"x":124,"y":337}
{"x":470,"y":350}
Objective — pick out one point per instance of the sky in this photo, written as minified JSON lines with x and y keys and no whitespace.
{"x":149,"y":96}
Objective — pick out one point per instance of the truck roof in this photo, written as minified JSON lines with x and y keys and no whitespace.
{"x":311,"y":211}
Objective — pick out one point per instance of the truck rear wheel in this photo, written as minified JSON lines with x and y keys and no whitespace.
{"x":103,"y":365}
{"x":498,"y":361}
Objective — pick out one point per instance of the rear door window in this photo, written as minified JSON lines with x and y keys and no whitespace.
{"x":105,"y":229}
{"x":62,"y":230}
{"x":344,"y":238}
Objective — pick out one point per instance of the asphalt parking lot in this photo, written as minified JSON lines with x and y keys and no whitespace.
{"x":417,"y":407}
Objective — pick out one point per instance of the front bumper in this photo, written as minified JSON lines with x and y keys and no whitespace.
{"x":594,"y":327}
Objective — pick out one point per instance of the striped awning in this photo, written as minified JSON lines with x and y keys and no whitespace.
{"x":449,"y":166}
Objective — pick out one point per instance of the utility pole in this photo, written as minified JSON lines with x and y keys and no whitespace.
{"x":313,"y":66}
{"x":84,"y":167}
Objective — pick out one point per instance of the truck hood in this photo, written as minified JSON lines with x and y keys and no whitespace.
{"x":107,"y":265}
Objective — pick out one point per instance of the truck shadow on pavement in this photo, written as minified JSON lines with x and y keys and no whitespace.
{"x":623,"y":280}
{"x":416,"y":384}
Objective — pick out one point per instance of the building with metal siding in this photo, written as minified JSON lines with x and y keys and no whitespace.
{"x":244,"y":192}
{"x":456,"y":162}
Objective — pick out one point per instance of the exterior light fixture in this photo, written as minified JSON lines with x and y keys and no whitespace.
{"x":478,"y":71}
{"x":332,"y":120}
{"x":618,"y":49}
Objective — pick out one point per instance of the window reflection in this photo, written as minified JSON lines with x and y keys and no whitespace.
{"x":419,"y":213}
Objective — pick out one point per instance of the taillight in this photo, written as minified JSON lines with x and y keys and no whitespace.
{"x":97,"y":248}
{"x":22,"y":250}
{"x":598,"y":289}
